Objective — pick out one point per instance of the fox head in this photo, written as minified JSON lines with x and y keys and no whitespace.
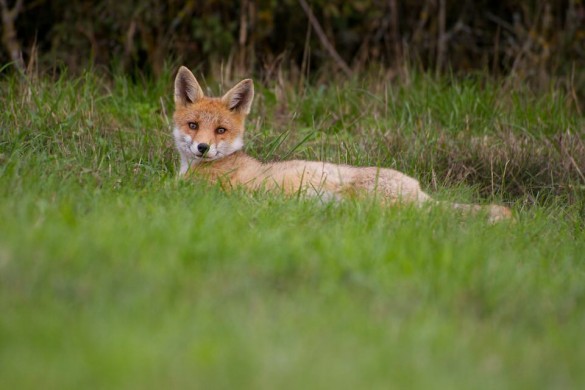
{"x":208,"y":128}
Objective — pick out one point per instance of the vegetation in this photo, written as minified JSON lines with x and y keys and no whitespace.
{"x":114,"y":273}
{"x":534,"y":41}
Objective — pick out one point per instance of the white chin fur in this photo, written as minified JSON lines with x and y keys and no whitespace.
{"x":227,"y":148}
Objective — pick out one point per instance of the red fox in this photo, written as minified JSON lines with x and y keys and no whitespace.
{"x":209,"y":135}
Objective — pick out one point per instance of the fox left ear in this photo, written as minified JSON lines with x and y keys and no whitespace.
{"x":187,"y":89}
{"x":240,"y":97}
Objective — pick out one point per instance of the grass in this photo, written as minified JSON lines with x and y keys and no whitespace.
{"x":113,"y":273}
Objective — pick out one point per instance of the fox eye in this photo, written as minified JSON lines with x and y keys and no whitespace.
{"x":193,"y":125}
{"x":220,"y":130}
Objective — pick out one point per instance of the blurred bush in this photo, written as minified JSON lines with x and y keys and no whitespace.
{"x":531,"y":39}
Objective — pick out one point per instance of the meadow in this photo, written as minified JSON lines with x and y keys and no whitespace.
{"x":114,"y":273}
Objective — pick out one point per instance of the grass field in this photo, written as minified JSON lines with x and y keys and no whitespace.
{"x":116,"y":274}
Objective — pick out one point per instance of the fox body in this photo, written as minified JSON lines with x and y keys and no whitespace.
{"x":209,"y":137}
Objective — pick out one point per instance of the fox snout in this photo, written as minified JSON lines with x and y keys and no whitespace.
{"x":197,"y":149}
{"x":203,"y":148}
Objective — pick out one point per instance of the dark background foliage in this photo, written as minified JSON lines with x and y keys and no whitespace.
{"x":533,"y":40}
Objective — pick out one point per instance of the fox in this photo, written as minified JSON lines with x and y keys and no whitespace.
{"x":209,"y":136}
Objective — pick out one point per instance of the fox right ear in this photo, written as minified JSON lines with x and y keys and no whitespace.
{"x":187,"y":89}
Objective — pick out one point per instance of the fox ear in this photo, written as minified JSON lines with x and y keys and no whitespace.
{"x":187,"y":89}
{"x":240,"y":97}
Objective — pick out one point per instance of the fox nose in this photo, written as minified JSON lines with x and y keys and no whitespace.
{"x":203,"y":148}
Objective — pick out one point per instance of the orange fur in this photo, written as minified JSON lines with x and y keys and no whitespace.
{"x":214,"y":154}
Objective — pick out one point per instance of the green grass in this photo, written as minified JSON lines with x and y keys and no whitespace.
{"x":115,"y":274}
